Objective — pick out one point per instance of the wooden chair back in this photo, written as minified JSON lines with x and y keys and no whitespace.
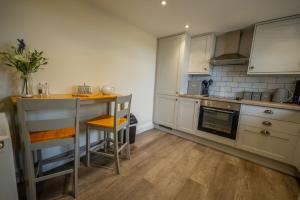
{"x":37,"y":115}
{"x":121,"y":111}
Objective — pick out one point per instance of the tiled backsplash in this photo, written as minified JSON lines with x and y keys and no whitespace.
{"x":230,"y":80}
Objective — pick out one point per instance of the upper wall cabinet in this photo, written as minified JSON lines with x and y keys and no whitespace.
{"x":276,"y":47}
{"x":172,"y":61}
{"x":202,"y":50}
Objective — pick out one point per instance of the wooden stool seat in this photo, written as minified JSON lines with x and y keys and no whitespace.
{"x":41,"y":136}
{"x":106,"y":121}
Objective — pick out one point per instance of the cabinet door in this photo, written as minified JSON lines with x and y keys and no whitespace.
{"x":276,"y":145}
{"x":165,"y":110}
{"x":186,"y":114}
{"x":202,"y":48}
{"x":297,"y":157}
{"x":276,"y":47}
{"x":167,"y":65}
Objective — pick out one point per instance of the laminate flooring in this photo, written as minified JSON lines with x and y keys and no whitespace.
{"x":164,"y":166}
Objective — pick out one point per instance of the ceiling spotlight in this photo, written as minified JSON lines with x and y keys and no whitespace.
{"x":187,"y":26}
{"x":163,"y":3}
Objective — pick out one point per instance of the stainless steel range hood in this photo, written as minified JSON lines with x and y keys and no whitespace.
{"x":233,"y":48}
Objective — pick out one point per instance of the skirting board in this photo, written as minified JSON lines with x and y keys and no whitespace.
{"x":284,"y":168}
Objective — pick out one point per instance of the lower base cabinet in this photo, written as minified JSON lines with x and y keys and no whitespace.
{"x":276,"y":145}
{"x":298,"y":156}
{"x":277,"y":140}
{"x":165,"y":110}
{"x":187,"y":115}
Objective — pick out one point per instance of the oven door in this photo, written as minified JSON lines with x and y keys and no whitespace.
{"x":218,"y":121}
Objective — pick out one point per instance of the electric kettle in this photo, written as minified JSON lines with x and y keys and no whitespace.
{"x":282,"y":95}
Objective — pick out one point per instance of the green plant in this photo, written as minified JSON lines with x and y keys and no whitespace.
{"x":23,"y":59}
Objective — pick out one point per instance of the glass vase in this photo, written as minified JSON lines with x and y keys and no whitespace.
{"x":26,"y":86}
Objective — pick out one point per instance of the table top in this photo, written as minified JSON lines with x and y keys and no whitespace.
{"x":96,"y":96}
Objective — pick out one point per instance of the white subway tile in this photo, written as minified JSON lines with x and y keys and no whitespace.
{"x":252,"y":79}
{"x":275,"y":85}
{"x":259,"y":85}
{"x":237,"y":89}
{"x":234,"y":79}
{"x":226,"y":78}
{"x":225,"y":89}
{"x":285,"y":80}
{"x":232,"y":84}
{"x":245,"y":85}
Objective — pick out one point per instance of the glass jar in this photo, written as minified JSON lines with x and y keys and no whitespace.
{"x":27,"y":91}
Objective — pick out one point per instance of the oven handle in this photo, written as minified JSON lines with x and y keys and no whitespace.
{"x":223,"y":111}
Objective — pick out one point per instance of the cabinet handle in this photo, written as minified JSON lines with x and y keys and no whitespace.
{"x":196,"y":102}
{"x":177,"y":92}
{"x":176,"y":99}
{"x":266,"y":123}
{"x":1,"y":145}
{"x":205,"y":69}
{"x":265,"y":132}
{"x":268,"y":111}
{"x":252,"y":67}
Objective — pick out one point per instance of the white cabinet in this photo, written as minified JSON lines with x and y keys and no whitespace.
{"x":272,"y":144}
{"x":171,"y":77}
{"x":269,"y":132}
{"x":172,"y":60}
{"x":165,"y":110}
{"x":202,"y":50}
{"x":187,"y":114}
{"x":276,"y":47}
{"x":298,"y":155}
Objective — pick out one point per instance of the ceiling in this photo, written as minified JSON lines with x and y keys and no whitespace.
{"x":202,"y":15}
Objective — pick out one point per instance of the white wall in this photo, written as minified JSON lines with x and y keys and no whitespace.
{"x":83,"y":44}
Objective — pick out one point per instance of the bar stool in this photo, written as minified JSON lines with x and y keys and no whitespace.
{"x":111,"y":124}
{"x":44,"y":124}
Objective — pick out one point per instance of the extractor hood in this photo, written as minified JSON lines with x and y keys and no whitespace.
{"x":230,"y":49}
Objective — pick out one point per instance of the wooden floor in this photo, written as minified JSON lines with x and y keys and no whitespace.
{"x":164,"y":166}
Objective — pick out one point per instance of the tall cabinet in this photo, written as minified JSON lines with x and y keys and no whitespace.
{"x":171,"y":77}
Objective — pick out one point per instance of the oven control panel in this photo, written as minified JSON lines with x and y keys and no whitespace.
{"x":221,"y":105}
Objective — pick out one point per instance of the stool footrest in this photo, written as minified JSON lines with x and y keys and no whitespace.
{"x":103,"y":154}
{"x":43,"y":178}
{"x":97,"y":146}
{"x":122,"y":147}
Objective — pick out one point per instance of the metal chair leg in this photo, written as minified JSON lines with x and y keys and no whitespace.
{"x":116,"y":154}
{"x":87,"y":146}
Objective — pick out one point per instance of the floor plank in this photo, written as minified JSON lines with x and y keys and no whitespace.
{"x":164,"y":166}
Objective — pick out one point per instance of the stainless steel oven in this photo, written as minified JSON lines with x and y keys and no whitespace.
{"x":219,"y":118}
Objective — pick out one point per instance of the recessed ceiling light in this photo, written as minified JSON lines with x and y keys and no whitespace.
{"x":187,"y":26}
{"x":163,"y":3}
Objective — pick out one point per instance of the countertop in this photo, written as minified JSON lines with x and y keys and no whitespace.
{"x":287,"y":106}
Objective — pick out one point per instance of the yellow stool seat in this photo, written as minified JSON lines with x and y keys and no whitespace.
{"x":106,"y":121}
{"x":52,"y":134}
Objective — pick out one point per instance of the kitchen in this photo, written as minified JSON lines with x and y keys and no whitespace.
{"x":214,"y":101}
